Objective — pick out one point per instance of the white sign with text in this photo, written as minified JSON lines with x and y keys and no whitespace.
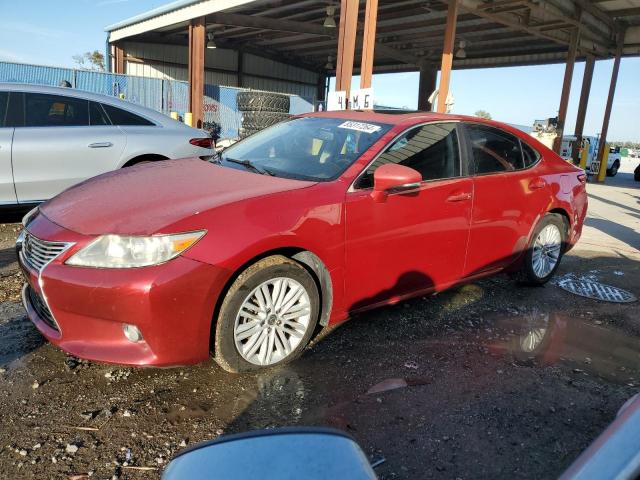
{"x":337,"y":101}
{"x":361,"y":99}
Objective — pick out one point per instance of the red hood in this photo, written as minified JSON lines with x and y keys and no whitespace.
{"x":142,"y":200}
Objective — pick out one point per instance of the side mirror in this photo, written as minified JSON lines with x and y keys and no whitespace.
{"x":310,"y":453}
{"x":391,"y":178}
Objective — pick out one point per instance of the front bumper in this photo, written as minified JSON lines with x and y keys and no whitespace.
{"x":171,"y":304}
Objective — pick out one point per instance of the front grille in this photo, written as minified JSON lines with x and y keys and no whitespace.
{"x":41,"y":308}
{"x":37,"y":253}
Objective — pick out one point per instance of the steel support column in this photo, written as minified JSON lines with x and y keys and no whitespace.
{"x":369,"y":43}
{"x":582,"y":107}
{"x":428,"y":78}
{"x":447,"y":54}
{"x":607,"y":111}
{"x":346,"y":44}
{"x":566,"y":88}
{"x":196,"y":70}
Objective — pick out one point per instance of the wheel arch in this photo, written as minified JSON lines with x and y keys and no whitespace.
{"x":146,"y":157}
{"x":565,"y":216}
{"x":309,"y":260}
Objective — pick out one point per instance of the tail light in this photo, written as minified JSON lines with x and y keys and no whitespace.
{"x":582,"y":177}
{"x":206,"y":142}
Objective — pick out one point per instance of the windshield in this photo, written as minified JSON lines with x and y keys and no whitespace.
{"x":309,"y":148}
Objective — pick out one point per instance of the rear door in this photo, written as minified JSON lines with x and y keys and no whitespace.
{"x":509,"y":195}
{"x":64,"y":140}
{"x":7,"y":192}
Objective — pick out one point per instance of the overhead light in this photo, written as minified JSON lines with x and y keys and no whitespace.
{"x":330,"y":21}
{"x":461,"y":53}
{"x":211,"y":43}
{"x":329,"y":65}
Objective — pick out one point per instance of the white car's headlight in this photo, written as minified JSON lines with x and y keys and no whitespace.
{"x":115,"y":251}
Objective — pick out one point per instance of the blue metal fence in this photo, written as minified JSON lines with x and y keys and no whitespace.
{"x":158,"y":94}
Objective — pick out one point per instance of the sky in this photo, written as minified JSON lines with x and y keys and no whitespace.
{"x":50,"y":32}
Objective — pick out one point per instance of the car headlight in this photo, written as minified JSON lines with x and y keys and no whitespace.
{"x":115,"y":251}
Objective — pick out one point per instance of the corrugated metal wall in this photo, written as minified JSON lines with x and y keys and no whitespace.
{"x":170,"y":62}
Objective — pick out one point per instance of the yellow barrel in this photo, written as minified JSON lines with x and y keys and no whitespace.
{"x":188,"y":118}
{"x":174,"y":115}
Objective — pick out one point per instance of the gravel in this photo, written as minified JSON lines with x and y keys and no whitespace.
{"x":467,"y":401}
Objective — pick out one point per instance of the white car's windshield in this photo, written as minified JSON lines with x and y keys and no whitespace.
{"x":309,"y":148}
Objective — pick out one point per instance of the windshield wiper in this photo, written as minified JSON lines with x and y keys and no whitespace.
{"x":251,"y":166}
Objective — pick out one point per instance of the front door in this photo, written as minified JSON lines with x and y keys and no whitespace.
{"x":413,"y":241}
{"x":64,"y":141}
{"x":7,"y":192}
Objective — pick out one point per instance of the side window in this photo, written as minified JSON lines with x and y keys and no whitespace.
{"x":44,"y":110}
{"x":430,"y":149}
{"x":15,"y":110}
{"x":4,"y":101}
{"x":531,"y":157}
{"x":97,"y":116}
{"x":494,"y":150}
{"x":119,"y":116}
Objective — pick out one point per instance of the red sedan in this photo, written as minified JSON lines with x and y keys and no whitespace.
{"x":296,"y":227}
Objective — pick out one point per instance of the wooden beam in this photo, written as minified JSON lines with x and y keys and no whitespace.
{"x":196,"y":70}
{"x":607,"y":110}
{"x":119,"y":59}
{"x":428,"y":78}
{"x":447,"y":54}
{"x":625,"y":12}
{"x":368,"y":43}
{"x":582,"y":106}
{"x":265,"y":23}
{"x":346,"y":44}
{"x":566,"y":88}
{"x":516,"y":25}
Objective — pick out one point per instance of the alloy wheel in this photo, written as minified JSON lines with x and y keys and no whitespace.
{"x":546,"y":250}
{"x":272,"y":321}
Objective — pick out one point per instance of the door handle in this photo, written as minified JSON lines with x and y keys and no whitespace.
{"x":459,"y":197}
{"x":101,"y":145}
{"x":537,"y":184}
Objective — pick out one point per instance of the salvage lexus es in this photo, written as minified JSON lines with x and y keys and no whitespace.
{"x":296,"y":227}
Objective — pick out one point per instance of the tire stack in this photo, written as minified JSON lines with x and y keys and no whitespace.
{"x":260,"y":110}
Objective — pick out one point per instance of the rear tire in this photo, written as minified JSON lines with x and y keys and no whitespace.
{"x":613,"y":171}
{"x":258,"y":326}
{"x":545,"y":251}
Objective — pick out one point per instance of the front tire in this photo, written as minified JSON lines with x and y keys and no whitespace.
{"x":545,"y":251}
{"x":267,"y":317}
{"x":613,"y":171}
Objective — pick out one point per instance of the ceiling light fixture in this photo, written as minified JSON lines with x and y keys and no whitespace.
{"x":211,"y":43}
{"x":329,"y":65}
{"x":330,"y":21}
{"x":461,"y":53}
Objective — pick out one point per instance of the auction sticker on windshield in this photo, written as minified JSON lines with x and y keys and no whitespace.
{"x":360,"y":127}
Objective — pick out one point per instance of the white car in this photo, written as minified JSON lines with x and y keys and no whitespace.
{"x":52,"y":138}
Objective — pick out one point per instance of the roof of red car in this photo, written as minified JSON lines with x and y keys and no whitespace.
{"x":392,"y":117}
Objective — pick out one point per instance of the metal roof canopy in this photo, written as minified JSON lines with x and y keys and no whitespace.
{"x":409,"y":32}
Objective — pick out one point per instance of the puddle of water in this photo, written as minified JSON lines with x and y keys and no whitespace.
{"x":552,"y":338}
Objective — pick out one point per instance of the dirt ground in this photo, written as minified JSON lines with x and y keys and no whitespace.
{"x":472,"y":401}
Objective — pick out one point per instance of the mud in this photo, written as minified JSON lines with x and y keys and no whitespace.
{"x":490,"y":380}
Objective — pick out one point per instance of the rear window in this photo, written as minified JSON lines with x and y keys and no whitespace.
{"x":97,"y":115}
{"x":531,"y":156}
{"x":118,"y":116}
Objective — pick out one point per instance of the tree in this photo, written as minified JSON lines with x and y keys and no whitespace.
{"x":483,"y":114}
{"x":90,"y":61}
